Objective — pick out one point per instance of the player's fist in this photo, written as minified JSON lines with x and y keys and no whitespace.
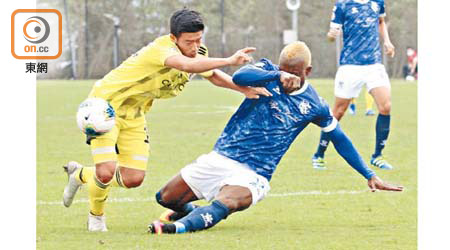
{"x":241,"y":56}
{"x":375,"y":183}
{"x":333,"y":33}
{"x":255,"y":92}
{"x":389,"y":49}
{"x":290,"y":82}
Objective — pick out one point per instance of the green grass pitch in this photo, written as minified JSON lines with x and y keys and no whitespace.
{"x":306,"y":209}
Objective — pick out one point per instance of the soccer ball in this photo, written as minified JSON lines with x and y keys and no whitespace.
{"x":95,"y":117}
{"x":410,"y":78}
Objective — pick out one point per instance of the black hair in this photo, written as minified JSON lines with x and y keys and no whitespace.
{"x":185,"y":20}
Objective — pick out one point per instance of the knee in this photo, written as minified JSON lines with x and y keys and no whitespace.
{"x":385,"y":108}
{"x":135,"y":179}
{"x":339,"y":112}
{"x":231,"y":204}
{"x":235,"y":205}
{"x":163,"y":198}
{"x":159,"y":196}
{"x":105,"y":171}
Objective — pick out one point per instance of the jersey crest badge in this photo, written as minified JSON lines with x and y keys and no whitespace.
{"x":304,"y":107}
{"x":354,"y":10}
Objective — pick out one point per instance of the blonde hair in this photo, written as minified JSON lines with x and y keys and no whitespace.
{"x":295,"y":51}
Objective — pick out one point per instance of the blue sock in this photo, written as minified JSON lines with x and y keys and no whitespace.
{"x":188,"y":207}
{"x":202,"y":218}
{"x":323,"y":144}
{"x":353,"y":107}
{"x":180,"y":210}
{"x":382,"y":133}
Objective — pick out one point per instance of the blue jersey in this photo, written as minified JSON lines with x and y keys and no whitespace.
{"x":359,"y":20}
{"x":261,"y":130}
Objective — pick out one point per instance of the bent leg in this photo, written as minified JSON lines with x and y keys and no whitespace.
{"x":84,"y":174}
{"x":99,"y":185}
{"x":176,"y":195}
{"x":230,"y":199}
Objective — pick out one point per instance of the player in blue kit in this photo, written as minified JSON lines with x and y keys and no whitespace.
{"x":237,"y":172}
{"x":362,"y":23}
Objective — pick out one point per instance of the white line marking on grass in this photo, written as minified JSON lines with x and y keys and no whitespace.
{"x":126,"y":199}
{"x":318,"y":192}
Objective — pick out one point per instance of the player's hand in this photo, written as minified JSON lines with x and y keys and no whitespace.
{"x":333,"y":33}
{"x":255,"y":92}
{"x":389,"y":49}
{"x":375,"y":183}
{"x":290,"y":82}
{"x":241,"y":56}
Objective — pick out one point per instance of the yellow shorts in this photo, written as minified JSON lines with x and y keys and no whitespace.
{"x":127,"y":143}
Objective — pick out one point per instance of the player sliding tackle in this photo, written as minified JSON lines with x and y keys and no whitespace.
{"x":236,"y":174}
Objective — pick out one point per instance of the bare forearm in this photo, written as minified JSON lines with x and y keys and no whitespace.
{"x":384,"y":33}
{"x":222,"y":79}
{"x":198,"y":64}
{"x":201,"y":64}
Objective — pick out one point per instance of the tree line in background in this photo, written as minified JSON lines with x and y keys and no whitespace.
{"x":231,"y":25}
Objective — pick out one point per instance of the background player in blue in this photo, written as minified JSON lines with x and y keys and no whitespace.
{"x":237,"y":172}
{"x":362,"y":23}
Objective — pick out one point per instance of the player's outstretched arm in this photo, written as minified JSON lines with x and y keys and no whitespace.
{"x":345,"y":148}
{"x":201,"y":64}
{"x":222,"y":79}
{"x":375,"y":183}
{"x":389,"y":48}
{"x":251,"y":75}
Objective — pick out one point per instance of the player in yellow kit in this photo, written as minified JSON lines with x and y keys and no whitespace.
{"x":369,"y":105}
{"x":159,"y":70}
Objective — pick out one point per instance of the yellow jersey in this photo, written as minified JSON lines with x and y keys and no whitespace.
{"x":143,"y":77}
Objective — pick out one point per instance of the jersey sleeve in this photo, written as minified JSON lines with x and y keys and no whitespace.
{"x":325,"y":118}
{"x":337,"y":17}
{"x":203,"y":51}
{"x":158,"y":52}
{"x":255,"y":75}
{"x":382,"y":9}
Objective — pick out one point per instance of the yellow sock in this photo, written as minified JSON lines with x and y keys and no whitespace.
{"x":117,"y":180}
{"x":84,"y":174}
{"x":369,"y":101}
{"x":98,"y":193}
